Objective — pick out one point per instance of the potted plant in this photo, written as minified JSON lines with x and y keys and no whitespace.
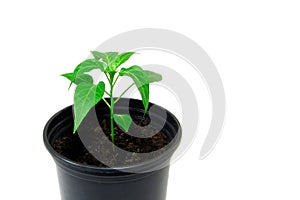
{"x":112,"y":148}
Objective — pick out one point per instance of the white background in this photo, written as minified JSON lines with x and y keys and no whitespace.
{"x":254,"y":44}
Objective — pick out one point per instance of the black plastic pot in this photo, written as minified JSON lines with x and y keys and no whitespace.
{"x":137,"y":182}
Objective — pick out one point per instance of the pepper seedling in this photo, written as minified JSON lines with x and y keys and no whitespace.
{"x":88,"y":94}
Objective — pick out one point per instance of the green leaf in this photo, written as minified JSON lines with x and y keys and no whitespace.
{"x":98,"y":55}
{"x":107,"y":57}
{"x":86,"y":96}
{"x":123,"y":58}
{"x":83,"y":78}
{"x":123,"y":120}
{"x":89,"y":65}
{"x":110,"y":60}
{"x":140,"y":79}
{"x":111,"y":57}
{"x":110,"y":70}
{"x":69,"y":76}
{"x":79,"y":75}
{"x":152,"y":76}
{"x":79,"y":79}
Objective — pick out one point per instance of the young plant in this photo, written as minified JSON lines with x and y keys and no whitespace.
{"x":87,"y":94}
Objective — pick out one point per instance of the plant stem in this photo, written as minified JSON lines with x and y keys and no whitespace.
{"x":107,"y":77}
{"x":112,"y":103}
{"x":124,"y":93}
{"x":106,"y":102}
{"x":116,"y":80}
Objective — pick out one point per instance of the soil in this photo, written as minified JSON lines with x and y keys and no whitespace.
{"x":98,"y":146}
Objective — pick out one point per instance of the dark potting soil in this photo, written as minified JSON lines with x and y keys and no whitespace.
{"x":98,"y":146}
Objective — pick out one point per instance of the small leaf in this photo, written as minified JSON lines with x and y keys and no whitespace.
{"x":107,"y":57}
{"x":89,"y":65}
{"x":69,"y":76}
{"x":123,"y":120}
{"x":111,"y":57}
{"x":85,"y":66}
{"x":98,"y":55}
{"x":140,"y":79}
{"x":110,"y":69}
{"x":123,"y":58}
{"x":83,"y":78}
{"x":79,"y":79}
{"x":86,"y":96}
{"x":152,"y":76}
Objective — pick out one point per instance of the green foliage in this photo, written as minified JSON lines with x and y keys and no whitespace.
{"x":123,"y":120}
{"x":79,"y":78}
{"x":87,"y":94}
{"x":140,"y":78}
{"x":152,"y":76}
{"x":123,"y":58}
{"x":78,"y":75}
{"x":89,"y":65}
{"x":108,"y":57}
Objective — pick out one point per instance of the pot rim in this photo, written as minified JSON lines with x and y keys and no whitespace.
{"x":121,"y":171}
